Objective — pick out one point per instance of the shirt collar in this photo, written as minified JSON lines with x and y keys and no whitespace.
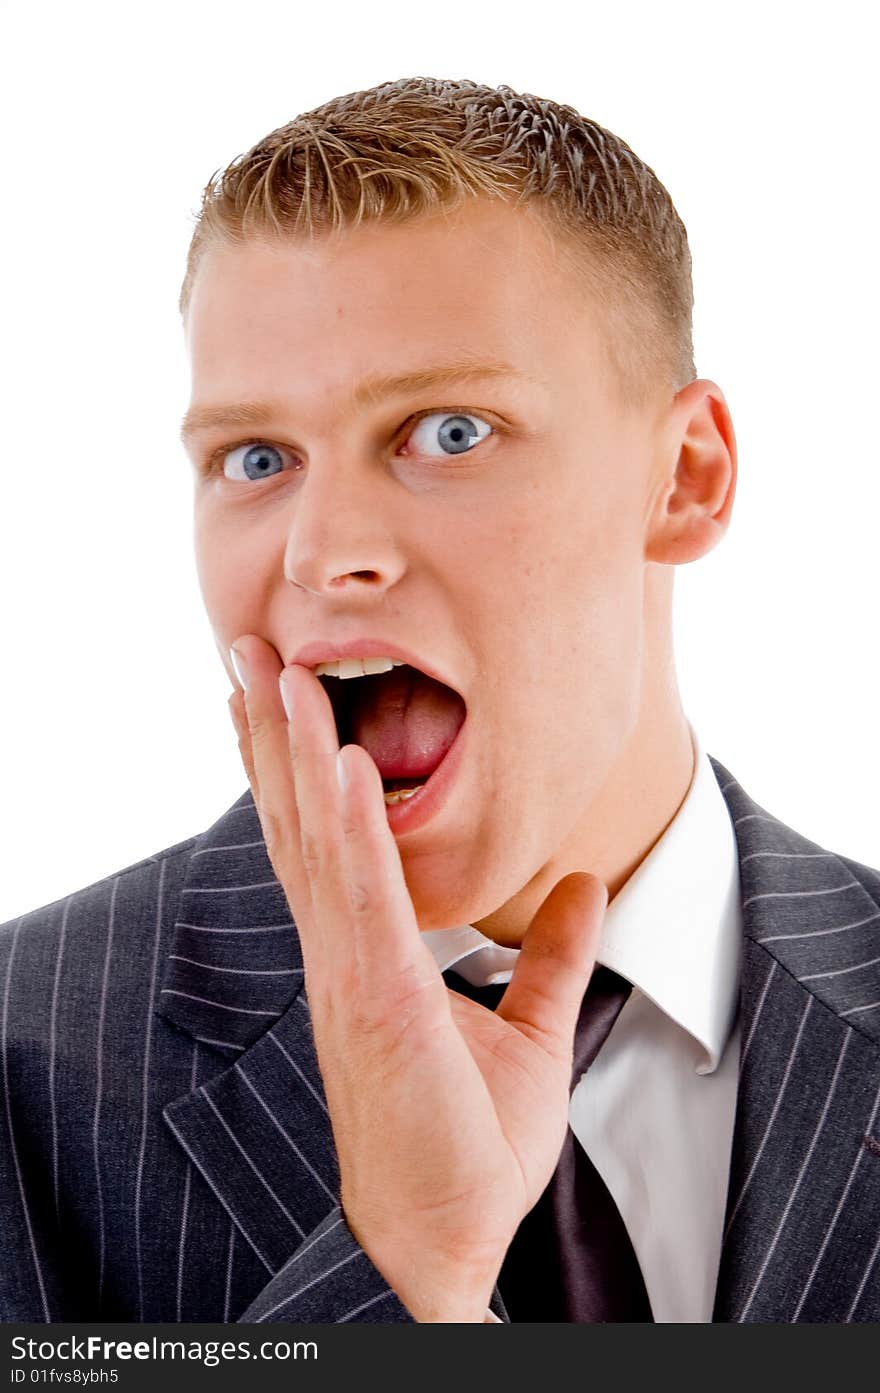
{"x":673,"y":929}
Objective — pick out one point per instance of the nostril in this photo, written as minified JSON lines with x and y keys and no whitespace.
{"x":355,"y":575}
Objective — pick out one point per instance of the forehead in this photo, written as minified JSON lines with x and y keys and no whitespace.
{"x":483,"y":281}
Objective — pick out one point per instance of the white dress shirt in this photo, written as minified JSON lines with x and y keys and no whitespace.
{"x":655,"y":1111}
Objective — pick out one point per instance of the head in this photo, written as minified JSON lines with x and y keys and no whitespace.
{"x":527,"y":559}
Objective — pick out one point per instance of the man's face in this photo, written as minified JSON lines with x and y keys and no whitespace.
{"x":514,"y":569}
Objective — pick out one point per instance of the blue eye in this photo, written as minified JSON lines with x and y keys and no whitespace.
{"x":259,"y":461}
{"x":436,"y":434}
{"x":455,"y":435}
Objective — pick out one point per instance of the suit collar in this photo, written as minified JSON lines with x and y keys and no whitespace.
{"x":806,"y":908}
{"x":235,"y":965}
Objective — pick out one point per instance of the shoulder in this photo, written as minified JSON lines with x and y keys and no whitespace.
{"x":811,"y":910}
{"x":125,"y":899}
{"x":867,"y":876}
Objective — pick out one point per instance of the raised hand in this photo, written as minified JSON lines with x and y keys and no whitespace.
{"x":448,"y":1118}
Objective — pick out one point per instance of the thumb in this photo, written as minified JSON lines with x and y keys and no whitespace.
{"x":556,"y":960}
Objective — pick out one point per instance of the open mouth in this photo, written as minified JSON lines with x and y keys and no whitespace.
{"x":406,"y":720}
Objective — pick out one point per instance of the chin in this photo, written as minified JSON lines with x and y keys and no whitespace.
{"x":446,"y":898}
{"x":439,"y":911}
{"x":438,"y":898}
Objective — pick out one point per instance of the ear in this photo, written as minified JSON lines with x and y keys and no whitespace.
{"x":697,"y":468}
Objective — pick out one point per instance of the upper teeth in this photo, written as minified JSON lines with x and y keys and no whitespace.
{"x":356,"y":667}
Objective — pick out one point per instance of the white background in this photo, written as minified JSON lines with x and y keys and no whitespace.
{"x":760,"y":120}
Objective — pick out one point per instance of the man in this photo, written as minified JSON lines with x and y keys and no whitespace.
{"x":448,"y":447}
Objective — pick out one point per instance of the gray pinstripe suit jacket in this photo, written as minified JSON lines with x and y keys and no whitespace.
{"x":165,"y":1150}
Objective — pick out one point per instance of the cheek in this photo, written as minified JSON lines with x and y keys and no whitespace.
{"x":567,"y":584}
{"x":215,"y":578}
{"x":230,"y":586}
{"x":570,"y":620}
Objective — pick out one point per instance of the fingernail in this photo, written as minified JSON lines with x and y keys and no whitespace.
{"x":240,"y":666}
{"x":286,"y":695}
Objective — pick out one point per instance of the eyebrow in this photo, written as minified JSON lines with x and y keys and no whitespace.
{"x":367,"y":392}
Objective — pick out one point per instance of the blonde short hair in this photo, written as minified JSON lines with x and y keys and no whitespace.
{"x":422,"y":144}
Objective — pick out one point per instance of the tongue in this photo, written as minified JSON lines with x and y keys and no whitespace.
{"x":406,"y":721}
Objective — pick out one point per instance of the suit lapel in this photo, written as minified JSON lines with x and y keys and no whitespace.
{"x":800,"y":1227}
{"x":258,"y":1130}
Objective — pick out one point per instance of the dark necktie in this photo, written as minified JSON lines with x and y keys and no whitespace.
{"x":571,"y":1258}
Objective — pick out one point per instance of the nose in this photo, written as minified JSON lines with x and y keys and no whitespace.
{"x":341,"y":542}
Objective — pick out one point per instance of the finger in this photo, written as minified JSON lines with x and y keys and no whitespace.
{"x":554,"y":966}
{"x":267,"y":760}
{"x":391,"y":957}
{"x":313,"y":745}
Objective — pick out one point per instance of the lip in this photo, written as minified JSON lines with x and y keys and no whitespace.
{"x":311,"y":654}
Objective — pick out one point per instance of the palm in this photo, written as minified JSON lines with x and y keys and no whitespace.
{"x":527,"y":1085}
